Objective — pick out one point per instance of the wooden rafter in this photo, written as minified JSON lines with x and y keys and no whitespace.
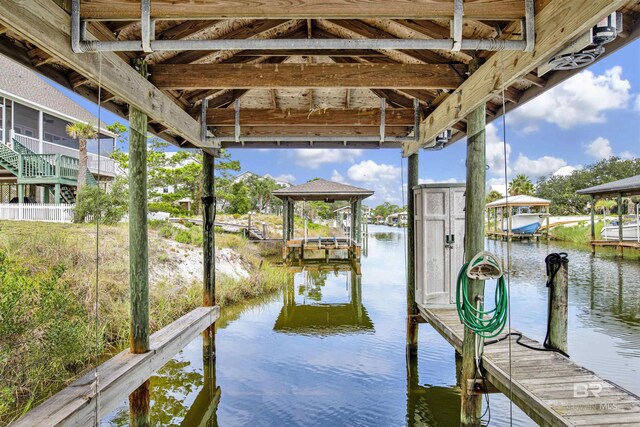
{"x":247,"y":76}
{"x":48,"y":26}
{"x":556,"y":24}
{"x":301,"y":9}
{"x":324,"y":117}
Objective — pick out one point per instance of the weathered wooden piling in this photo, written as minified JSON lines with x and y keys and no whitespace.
{"x":138,"y":254}
{"x":139,"y":410}
{"x":208,"y":232}
{"x":559,"y":308}
{"x":412,"y":308}
{"x":138,"y":236}
{"x":471,"y":408}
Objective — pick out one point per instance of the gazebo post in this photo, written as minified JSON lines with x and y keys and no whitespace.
{"x":620,"y":248}
{"x":285,"y":224}
{"x":292,"y":218}
{"x":593,"y":223}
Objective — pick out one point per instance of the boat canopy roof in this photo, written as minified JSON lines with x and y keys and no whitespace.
{"x":623,"y":187}
{"x":520,"y":200}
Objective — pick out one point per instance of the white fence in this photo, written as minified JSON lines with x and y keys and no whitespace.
{"x":49,"y":212}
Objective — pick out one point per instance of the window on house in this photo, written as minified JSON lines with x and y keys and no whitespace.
{"x":26,"y":120}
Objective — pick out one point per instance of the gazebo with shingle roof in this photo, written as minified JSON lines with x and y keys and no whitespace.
{"x":625,"y":187}
{"x":326,"y":191}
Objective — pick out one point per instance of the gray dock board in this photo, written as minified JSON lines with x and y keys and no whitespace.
{"x":543,"y":383}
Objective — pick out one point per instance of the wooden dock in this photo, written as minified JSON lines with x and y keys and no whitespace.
{"x":547,"y":386}
{"x":118,"y":376}
{"x":322,"y":248}
{"x":503,"y":235}
{"x":615,"y":244}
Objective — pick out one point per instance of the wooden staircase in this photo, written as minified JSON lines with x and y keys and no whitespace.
{"x":46,"y":170}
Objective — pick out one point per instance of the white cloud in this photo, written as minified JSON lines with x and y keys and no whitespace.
{"x":433,"y":181}
{"x":383,"y":179}
{"x":600,"y":148}
{"x":627,"y":155}
{"x":286,"y":177}
{"x":495,"y":151}
{"x":337,"y":177}
{"x":370,"y":171}
{"x":584,"y":98}
{"x":538,"y":167}
{"x":313,"y":159}
{"x":566,"y":170}
{"x":637,"y":103}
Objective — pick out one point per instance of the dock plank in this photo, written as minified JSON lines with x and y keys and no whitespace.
{"x":118,"y":376}
{"x":547,"y":386}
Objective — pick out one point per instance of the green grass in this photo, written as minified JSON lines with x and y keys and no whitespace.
{"x":580,"y":233}
{"x":47,"y":296}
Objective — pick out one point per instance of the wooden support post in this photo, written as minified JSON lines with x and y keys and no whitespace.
{"x":559,"y":308}
{"x":138,"y":238}
{"x":139,"y":402}
{"x":620,"y":236}
{"x":58,"y":194}
{"x":412,"y":308}
{"x":292,"y":218}
{"x":352,"y":224}
{"x":593,"y":223}
{"x":285,"y":222}
{"x":471,"y":407}
{"x":358,"y":221}
{"x":208,"y":230}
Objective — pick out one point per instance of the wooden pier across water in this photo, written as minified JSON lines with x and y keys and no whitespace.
{"x":547,"y":386}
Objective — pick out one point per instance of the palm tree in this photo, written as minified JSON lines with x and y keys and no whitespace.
{"x":82,"y":132}
{"x":493,"y":196}
{"x":521,"y":184}
{"x":605,"y":205}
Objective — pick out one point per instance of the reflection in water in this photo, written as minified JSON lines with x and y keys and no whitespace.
{"x":307,"y":313}
{"x":277,"y":366}
{"x":430,"y":405}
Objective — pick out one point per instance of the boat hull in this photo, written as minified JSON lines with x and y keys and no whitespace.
{"x":629,"y":232}
{"x":525,"y":223}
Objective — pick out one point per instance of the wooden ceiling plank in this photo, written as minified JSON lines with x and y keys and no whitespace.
{"x":320,"y":117}
{"x":558,"y":23}
{"x":300,"y":9}
{"x":248,"y":76}
{"x":47,"y":26}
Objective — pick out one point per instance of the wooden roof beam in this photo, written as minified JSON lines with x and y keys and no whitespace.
{"x":315,"y":131}
{"x":47,"y":26}
{"x":324,"y":117}
{"x":113,"y":10}
{"x":557,"y":24}
{"x":249,"y":76}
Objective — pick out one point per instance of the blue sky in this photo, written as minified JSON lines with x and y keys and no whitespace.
{"x":591,"y":116}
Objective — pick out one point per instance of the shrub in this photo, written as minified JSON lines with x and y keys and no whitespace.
{"x":166,"y":207}
{"x":94,"y":204}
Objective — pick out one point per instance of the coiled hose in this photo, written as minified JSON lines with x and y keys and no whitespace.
{"x":485,"y":324}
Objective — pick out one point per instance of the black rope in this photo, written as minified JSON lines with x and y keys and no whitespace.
{"x":553,"y":262}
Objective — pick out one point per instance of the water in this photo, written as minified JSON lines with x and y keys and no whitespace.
{"x":330,"y":349}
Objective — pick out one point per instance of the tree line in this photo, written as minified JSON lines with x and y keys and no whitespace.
{"x":562,"y":190}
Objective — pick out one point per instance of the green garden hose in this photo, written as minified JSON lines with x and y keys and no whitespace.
{"x":485,"y":324}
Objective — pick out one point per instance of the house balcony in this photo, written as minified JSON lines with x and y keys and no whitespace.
{"x":98,"y":165}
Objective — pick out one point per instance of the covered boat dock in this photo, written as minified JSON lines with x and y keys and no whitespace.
{"x":500,"y":217}
{"x":626,"y":187}
{"x":322,"y":247}
{"x":375,"y":74}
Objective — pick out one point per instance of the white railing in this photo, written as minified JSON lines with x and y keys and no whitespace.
{"x":50,"y":212}
{"x":107,"y":165}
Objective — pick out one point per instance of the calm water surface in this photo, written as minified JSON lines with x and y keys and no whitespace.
{"x":329,"y":350}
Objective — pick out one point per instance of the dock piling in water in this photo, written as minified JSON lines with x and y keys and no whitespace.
{"x":559,"y":307}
